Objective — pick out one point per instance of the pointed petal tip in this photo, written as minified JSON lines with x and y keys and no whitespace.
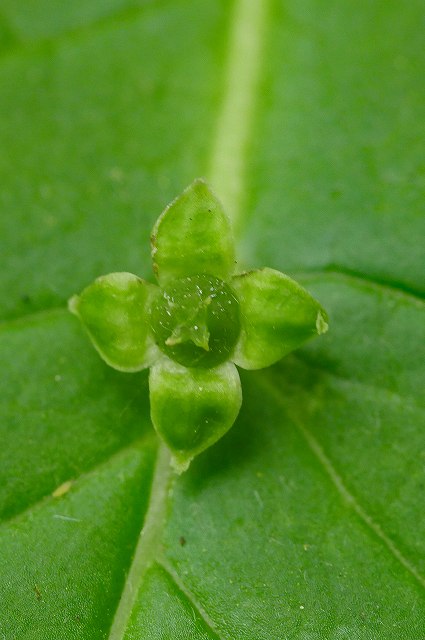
{"x":73,"y":304}
{"x":321,"y":323}
{"x":200,"y":180}
{"x":180,"y":464}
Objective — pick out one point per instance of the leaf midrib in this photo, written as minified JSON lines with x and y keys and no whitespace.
{"x":148,"y":542}
{"x":228,"y":176}
{"x":235,"y":117}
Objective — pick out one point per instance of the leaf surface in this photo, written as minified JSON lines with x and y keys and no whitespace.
{"x":306,"y":520}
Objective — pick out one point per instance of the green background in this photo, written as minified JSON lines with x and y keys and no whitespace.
{"x":306,"y":520}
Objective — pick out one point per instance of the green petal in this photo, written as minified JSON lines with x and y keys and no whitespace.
{"x":114,"y":311}
{"x":192,"y":236}
{"x":192,"y":408}
{"x":277,"y":316}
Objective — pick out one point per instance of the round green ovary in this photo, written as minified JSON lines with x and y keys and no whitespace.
{"x":196,"y":321}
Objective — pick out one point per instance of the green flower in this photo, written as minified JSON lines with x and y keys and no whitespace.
{"x":199,"y":323}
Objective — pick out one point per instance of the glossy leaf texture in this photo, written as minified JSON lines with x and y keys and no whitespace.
{"x":306,"y":519}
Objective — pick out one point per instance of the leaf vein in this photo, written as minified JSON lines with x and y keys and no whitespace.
{"x":90,"y":471}
{"x":73,"y":32}
{"x":242,"y":75}
{"x":387,"y":395}
{"x":379,"y":283}
{"x":190,"y":598}
{"x":28,"y":318}
{"x":147,"y":545}
{"x":337,"y":481}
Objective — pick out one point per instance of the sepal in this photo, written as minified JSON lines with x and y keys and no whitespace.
{"x":193,"y":236}
{"x":277,"y":316}
{"x":114,"y":310}
{"x":192,"y":408}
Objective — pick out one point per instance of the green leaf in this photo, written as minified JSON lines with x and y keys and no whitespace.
{"x":306,"y":520}
{"x":193,"y":236}
{"x":193,"y":408}
{"x":278,"y":316}
{"x":114,"y":310}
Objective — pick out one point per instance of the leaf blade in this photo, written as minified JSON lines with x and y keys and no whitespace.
{"x":260,"y":514}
